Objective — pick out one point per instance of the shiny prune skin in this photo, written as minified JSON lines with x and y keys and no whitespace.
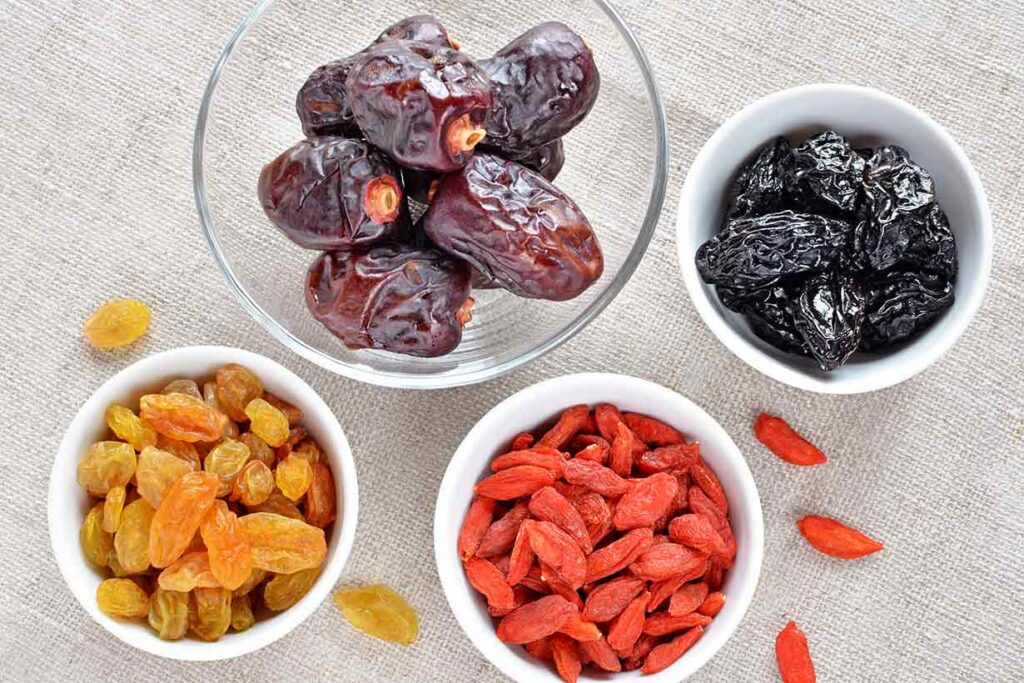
{"x":760,"y":186}
{"x":545,"y":82}
{"x":894,"y":185}
{"x":826,"y":175}
{"x":900,"y":305}
{"x":423,"y":28}
{"x":516,"y":228}
{"x":769,"y":313}
{"x":755,"y":252}
{"x":828,"y":314}
{"x":316,"y":193}
{"x":421,"y":104}
{"x":323,"y":104}
{"x":394,"y":298}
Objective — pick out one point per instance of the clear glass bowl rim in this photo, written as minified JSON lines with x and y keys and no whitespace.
{"x":455,"y":378}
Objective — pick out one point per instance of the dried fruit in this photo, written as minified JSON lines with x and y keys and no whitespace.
{"x":236,"y":386}
{"x":712,"y":605}
{"x":607,"y":600}
{"x":177,"y":519}
{"x":539,"y":456}
{"x":277,"y":504}
{"x":674,"y":459}
{"x":779,"y":437}
{"x":620,"y":457}
{"x":595,"y":477}
{"x":664,"y":623}
{"x":688,"y":599}
{"x":567,"y":659}
{"x":168,"y":614}
{"x":601,"y":655}
{"x":182,"y":417}
{"x":760,"y":186}
{"x":259,"y":449}
{"x":106,"y":464}
{"x":705,"y":478}
{"x":596,"y":515}
{"x":97,"y":544}
{"x":514,"y":482}
{"x":666,"y":560}
{"x":122,"y":598}
{"x":663,"y":656}
{"x":230,"y":553}
{"x":488,"y":580}
{"x":256,"y":577}
{"x":826,"y":174}
{"x":558,"y":550}
{"x":380,"y":612}
{"x":180,"y":449}
{"x":619,"y":554}
{"x":697,"y":532}
{"x":569,"y":423}
{"x":210,"y":612}
{"x":183,"y":386}
{"x":646,"y":502}
{"x":321,"y":499}
{"x":520,"y":561}
{"x":285,"y":590}
{"x":651,"y":431}
{"x":828,"y":312}
{"x":293,"y":476}
{"x":189,"y":571}
{"x":156,"y":473}
{"x":255,"y":483}
{"x":627,"y":626}
{"x":267,"y":422}
{"x":535,"y":620}
{"x":836,"y":539}
{"x":129,"y":427}
{"x":793,"y":655}
{"x":580,"y":629}
{"x":242,"y":617}
{"x":283,"y":545}
{"x":113,"y":504}
{"x":117,"y":323}
{"x":132,"y":540}
{"x":474,"y":526}
{"x":549,"y":505}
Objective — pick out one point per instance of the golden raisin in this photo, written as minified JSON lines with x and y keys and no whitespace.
{"x":96,"y":543}
{"x":267,"y":422}
{"x":293,"y":414}
{"x":132,"y":538}
{"x":168,"y":614}
{"x":180,"y":449}
{"x":226,"y":460}
{"x":380,"y":612}
{"x":210,"y":396}
{"x":308,"y":451}
{"x":321,"y":498}
{"x":277,"y":504}
{"x":230,"y":553}
{"x":183,"y":386}
{"x":293,"y":476}
{"x":106,"y":464}
{"x":284,"y":590}
{"x":177,"y":519}
{"x":114,"y":565}
{"x":157,"y":472}
{"x":182,"y":417}
{"x":117,"y":323}
{"x":129,"y":427}
{"x":282,"y":545}
{"x":256,"y":577}
{"x":189,"y":571}
{"x":259,"y":449}
{"x":254,"y":484}
{"x":122,"y":598}
{"x":241,"y":613}
{"x":113,"y":504}
{"x":236,"y":387}
{"x":209,"y":614}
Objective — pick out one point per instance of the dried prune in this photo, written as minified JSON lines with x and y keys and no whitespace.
{"x":894,"y":185}
{"x":760,"y":186}
{"x":516,"y":228}
{"x":826,"y":174}
{"x":323,"y":104}
{"x":902,"y":304}
{"x":829,"y":313}
{"x":424,"y":105}
{"x":544,"y":82}
{"x":756,"y":252}
{"x":919,"y":241}
{"x":769,"y":314}
{"x":423,"y":28}
{"x":333,"y":193}
{"x":394,"y":298}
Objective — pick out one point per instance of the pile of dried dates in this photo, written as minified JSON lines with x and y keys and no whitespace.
{"x":478,"y":142}
{"x":827,"y":249}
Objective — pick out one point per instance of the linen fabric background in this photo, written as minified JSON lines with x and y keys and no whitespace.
{"x":98,"y":104}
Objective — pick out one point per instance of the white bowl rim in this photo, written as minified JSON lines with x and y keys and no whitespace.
{"x":400,"y":380}
{"x":953,"y":326}
{"x":233,"y":644}
{"x":446,"y":525}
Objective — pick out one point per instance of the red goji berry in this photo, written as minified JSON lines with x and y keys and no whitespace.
{"x":663,"y":656}
{"x":618,"y":554}
{"x":793,"y":655}
{"x":836,"y":539}
{"x":549,"y":505}
{"x":605,"y":602}
{"x":627,"y":627}
{"x":713,"y":604}
{"x":643,"y":504}
{"x":489,"y":581}
{"x":601,"y":655}
{"x":541,"y":456}
{"x":567,"y":659}
{"x":515,"y":482}
{"x":535,"y":620}
{"x":688,"y":599}
{"x":569,"y":423}
{"x":663,"y":623}
{"x":709,"y":484}
{"x":500,"y":536}
{"x":478,"y":519}
{"x":779,"y":437}
{"x":651,"y":431}
{"x":667,"y":560}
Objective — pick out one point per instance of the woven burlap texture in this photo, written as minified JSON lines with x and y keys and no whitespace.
{"x":98,"y":103}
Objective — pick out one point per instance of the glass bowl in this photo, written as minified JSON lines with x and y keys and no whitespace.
{"x":616,"y":170}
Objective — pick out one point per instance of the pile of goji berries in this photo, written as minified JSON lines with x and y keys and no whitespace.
{"x":605,"y":542}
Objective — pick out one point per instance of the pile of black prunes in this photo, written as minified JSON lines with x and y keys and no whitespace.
{"x":827,"y":249}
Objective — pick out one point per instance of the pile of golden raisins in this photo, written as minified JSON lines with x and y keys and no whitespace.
{"x":213,"y":504}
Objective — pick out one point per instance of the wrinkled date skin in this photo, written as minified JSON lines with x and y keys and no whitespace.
{"x":756,"y":252}
{"x":423,"y":105}
{"x":902,"y":304}
{"x":516,"y":228}
{"x":546,"y":160}
{"x":423,"y":28}
{"x":544,"y":83}
{"x":828,"y":314}
{"x":333,"y":193}
{"x":394,"y":298}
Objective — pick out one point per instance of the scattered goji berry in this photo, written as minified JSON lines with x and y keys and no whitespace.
{"x":836,"y":539}
{"x":688,"y":599}
{"x":488,"y":580}
{"x":709,"y":484}
{"x":793,"y":655}
{"x":541,"y":456}
{"x":627,"y":627}
{"x":549,"y":505}
{"x":567,"y":659}
{"x":618,"y":554}
{"x":605,"y":602}
{"x":779,"y":437}
{"x":663,"y":623}
{"x":667,"y":560}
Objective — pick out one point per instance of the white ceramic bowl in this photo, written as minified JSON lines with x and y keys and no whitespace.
{"x":539,"y":404}
{"x":866,"y":117}
{"x":68,"y":502}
